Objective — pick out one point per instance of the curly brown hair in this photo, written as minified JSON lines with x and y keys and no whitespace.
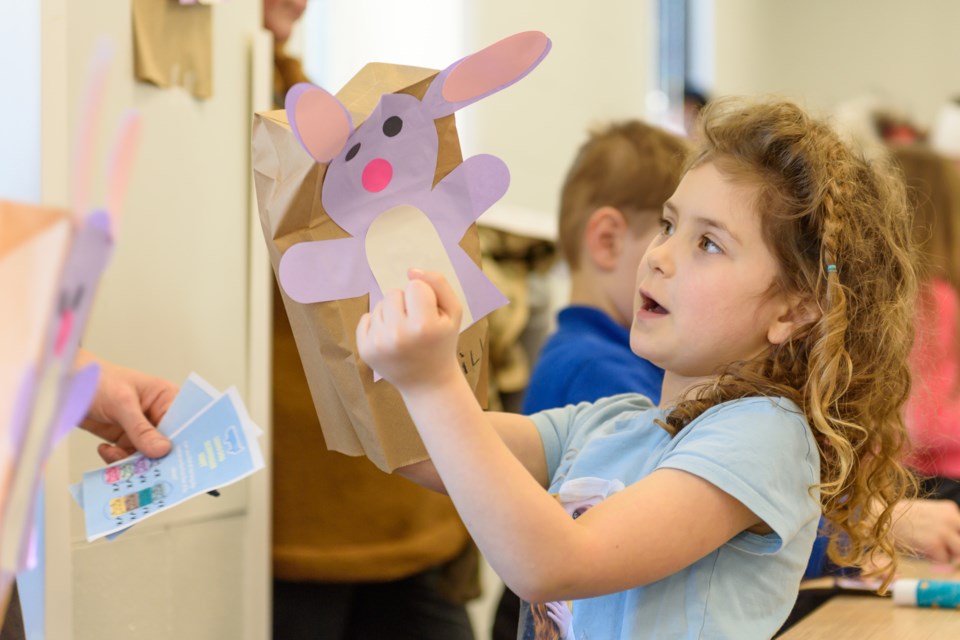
{"x":543,"y":627}
{"x":840,"y":228}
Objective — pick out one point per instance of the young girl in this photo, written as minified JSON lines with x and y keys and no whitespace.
{"x":778,"y":299}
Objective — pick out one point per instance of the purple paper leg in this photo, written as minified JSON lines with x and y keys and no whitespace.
{"x":21,"y":409}
{"x":482,"y":295}
{"x":82,"y":386}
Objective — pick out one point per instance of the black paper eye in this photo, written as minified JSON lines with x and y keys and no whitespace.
{"x":392,"y":126}
{"x":71,"y":305}
{"x":354,"y":150}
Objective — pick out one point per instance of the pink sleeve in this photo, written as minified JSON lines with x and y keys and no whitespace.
{"x":933,"y":411}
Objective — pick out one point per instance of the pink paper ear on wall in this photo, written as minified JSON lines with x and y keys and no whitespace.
{"x":319,"y":121}
{"x":91,"y":110}
{"x":119,"y":165}
{"x":499,"y":65}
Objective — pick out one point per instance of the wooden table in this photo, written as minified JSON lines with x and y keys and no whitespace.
{"x":865,"y":618}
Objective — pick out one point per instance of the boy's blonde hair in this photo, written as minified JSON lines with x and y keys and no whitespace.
{"x":840,"y":228}
{"x":630,"y":166}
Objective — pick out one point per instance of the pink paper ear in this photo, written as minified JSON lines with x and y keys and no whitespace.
{"x":119,"y":165}
{"x":495,"y":67}
{"x":91,"y":110}
{"x":319,"y":121}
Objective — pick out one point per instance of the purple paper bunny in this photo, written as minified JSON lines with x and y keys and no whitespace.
{"x":379,"y":185}
{"x":54,"y":397}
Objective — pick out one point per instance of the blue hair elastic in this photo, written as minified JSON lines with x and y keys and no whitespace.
{"x":831,"y":268}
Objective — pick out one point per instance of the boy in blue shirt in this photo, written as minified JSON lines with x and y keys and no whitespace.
{"x":610,"y":210}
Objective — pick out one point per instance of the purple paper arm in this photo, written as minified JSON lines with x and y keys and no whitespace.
{"x":326,"y":270}
{"x":466,"y":192}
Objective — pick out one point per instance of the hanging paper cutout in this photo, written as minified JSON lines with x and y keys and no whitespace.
{"x":50,"y":266}
{"x":173,"y":45}
{"x":379,"y":185}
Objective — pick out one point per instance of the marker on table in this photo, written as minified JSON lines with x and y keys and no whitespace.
{"x":939,"y":594}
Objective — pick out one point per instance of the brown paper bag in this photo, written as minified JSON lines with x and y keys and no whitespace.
{"x":358,"y":416}
{"x":173,"y":45}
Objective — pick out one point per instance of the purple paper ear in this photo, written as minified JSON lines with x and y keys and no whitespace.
{"x":319,"y":121}
{"x":485,"y":72}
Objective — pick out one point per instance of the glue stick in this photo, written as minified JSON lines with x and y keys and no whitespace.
{"x":940,"y":594}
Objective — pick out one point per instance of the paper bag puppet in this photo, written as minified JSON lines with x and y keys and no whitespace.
{"x":390,"y":193}
{"x":51,"y":261}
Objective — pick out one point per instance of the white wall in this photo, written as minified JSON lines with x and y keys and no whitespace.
{"x":824,"y":51}
{"x":20,"y":101}
{"x":598,"y":69}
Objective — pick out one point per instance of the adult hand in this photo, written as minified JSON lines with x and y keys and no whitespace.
{"x":930,"y":528}
{"x":410,"y":337}
{"x":125,"y":410}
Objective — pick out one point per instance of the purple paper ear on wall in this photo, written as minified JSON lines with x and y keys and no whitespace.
{"x":53,"y":398}
{"x":379,"y":185}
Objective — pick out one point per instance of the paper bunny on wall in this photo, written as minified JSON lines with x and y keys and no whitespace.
{"x":53,"y":397}
{"x":379,"y":185}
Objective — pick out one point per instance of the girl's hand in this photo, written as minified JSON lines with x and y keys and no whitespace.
{"x":410,"y":337}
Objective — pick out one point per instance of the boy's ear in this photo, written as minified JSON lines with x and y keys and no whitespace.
{"x":604,"y":236}
{"x":799,"y":312}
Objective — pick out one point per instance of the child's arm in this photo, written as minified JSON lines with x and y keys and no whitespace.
{"x":644,"y":533}
{"x":516,"y":431}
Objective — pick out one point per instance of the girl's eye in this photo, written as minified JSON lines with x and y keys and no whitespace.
{"x":709,"y":245}
{"x":666,"y":227}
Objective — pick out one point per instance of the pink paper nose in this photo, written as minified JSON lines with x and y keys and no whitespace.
{"x":377,"y":175}
{"x":66,"y":325}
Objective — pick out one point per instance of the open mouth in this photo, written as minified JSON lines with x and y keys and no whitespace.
{"x":649,"y":304}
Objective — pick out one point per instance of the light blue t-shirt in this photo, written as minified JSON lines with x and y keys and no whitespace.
{"x":761,"y":451}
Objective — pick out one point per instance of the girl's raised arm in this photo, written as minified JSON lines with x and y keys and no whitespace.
{"x":646,"y":532}
{"x":494,"y":468}
{"x":519,"y":435}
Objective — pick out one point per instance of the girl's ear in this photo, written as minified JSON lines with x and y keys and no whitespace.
{"x":799,"y":313}
{"x":604,"y":236}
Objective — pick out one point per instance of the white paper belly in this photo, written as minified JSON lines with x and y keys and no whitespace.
{"x":402,"y":238}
